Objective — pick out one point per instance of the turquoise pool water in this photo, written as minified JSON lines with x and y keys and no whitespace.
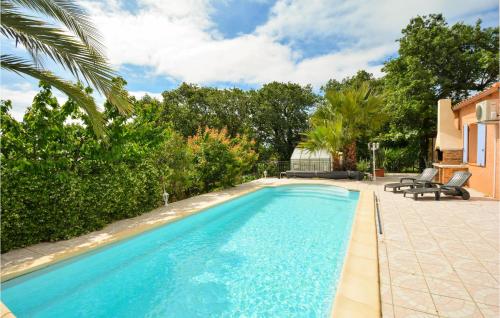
{"x":276,"y":252}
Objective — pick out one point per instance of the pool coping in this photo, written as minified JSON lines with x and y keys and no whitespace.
{"x":358,"y":289}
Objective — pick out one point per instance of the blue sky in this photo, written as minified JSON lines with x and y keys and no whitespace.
{"x":157,"y":44}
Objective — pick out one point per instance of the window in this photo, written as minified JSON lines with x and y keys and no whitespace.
{"x":481,"y":145}
{"x":465,"y":139}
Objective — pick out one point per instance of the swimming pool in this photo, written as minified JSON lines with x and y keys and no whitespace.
{"x":276,"y":252}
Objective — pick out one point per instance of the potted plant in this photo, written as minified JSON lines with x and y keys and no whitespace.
{"x":379,"y":172}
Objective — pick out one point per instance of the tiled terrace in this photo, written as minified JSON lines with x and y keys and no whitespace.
{"x":437,"y":258}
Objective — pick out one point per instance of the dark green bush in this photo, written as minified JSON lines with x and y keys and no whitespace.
{"x":398,"y":159}
{"x":43,"y":203}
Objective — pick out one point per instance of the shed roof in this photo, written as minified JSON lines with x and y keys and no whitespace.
{"x":301,"y":153}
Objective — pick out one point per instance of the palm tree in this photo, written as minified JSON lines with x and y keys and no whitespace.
{"x":345,"y":116}
{"x":77,"y":49}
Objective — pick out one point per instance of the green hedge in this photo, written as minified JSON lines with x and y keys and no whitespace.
{"x":48,"y":203}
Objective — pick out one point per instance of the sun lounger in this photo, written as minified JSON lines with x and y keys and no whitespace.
{"x":454,"y":187}
{"x":422,"y":180}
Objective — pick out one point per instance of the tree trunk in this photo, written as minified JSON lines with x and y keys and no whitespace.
{"x":336,"y":162}
{"x":350,"y":156}
{"x":424,"y":147}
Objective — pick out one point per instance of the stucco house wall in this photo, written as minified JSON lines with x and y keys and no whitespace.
{"x":482,"y":177}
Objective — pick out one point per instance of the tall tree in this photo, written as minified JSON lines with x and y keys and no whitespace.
{"x":346,"y":115}
{"x":281,"y":114}
{"x":435,"y":61}
{"x":362,"y":76}
{"x":75,"y":46}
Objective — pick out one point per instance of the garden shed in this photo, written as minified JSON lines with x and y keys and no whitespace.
{"x":305,"y":160}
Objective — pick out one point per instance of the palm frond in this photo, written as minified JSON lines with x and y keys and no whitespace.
{"x":327,"y":136}
{"x":85,"y":101}
{"x":74,"y":17}
{"x":77,"y":57}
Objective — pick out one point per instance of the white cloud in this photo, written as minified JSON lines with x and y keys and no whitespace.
{"x":140,"y":94}
{"x":367,"y":23}
{"x":178,"y":39}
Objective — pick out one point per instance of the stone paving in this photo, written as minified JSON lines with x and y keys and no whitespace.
{"x":439,"y":258}
{"x":436,"y":258}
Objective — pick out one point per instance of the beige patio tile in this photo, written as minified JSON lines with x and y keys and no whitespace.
{"x":405,"y":266}
{"x":398,"y":245}
{"x":489,"y":311}
{"x":490,"y":255}
{"x":484,"y":295}
{"x":402,"y":255}
{"x":442,"y":232}
{"x":48,"y":248}
{"x":401,"y":312}
{"x":410,"y":281}
{"x":492,"y":267}
{"x":455,"y":248}
{"x":384,"y":273}
{"x":412,"y":299}
{"x":418,"y":230}
{"x":385,"y":293}
{"x":425,"y":246}
{"x":455,"y":308}
{"x":442,"y":271}
{"x":387,"y":311}
{"x":19,"y":256}
{"x":447,"y":288}
{"x":466,"y":264}
{"x":382,"y":250}
{"x":432,"y":258}
{"x":477,"y":278}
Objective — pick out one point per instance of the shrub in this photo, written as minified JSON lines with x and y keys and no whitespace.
{"x":398,"y":159}
{"x":363,"y":165}
{"x":219,"y":161}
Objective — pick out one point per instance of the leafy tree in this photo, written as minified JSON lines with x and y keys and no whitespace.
{"x":362,"y":76}
{"x":346,"y":115}
{"x":219,"y":160}
{"x":78,"y":50}
{"x":189,"y":107}
{"x":280,"y":116}
{"x":435,"y":61}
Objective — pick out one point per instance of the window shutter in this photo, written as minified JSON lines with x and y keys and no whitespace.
{"x":466,"y":144}
{"x":481,"y":144}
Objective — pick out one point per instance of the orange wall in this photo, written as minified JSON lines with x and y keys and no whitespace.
{"x":482,"y":177}
{"x":472,"y":152}
{"x":497,"y":172}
